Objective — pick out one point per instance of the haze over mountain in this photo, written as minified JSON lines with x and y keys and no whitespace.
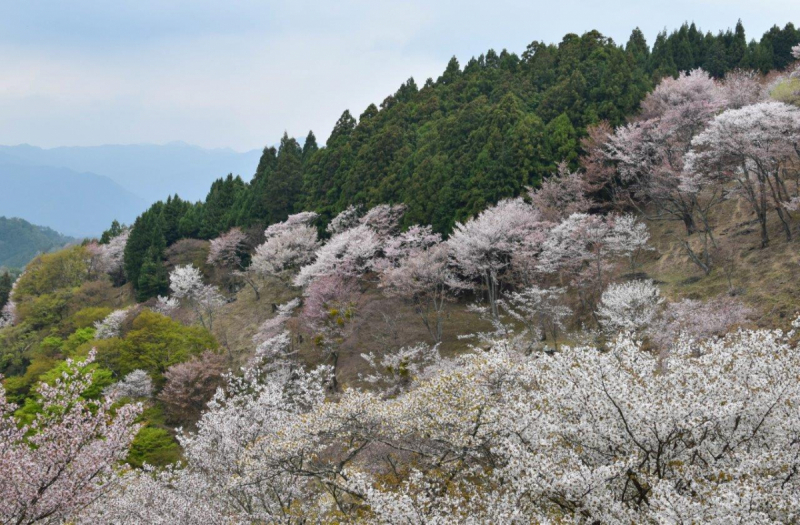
{"x":73,"y":203}
{"x":149,"y":171}
{"x":80,"y":190}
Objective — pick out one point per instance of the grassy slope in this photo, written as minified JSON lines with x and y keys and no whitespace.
{"x":765,"y":279}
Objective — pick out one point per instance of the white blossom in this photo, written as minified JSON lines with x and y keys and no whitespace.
{"x":111,"y":325}
{"x":630,"y":306}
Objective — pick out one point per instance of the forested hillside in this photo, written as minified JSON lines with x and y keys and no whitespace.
{"x":590,"y":315}
{"x":21,"y":241}
{"x":449,"y":147}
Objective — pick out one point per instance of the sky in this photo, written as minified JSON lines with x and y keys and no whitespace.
{"x":238,"y":73}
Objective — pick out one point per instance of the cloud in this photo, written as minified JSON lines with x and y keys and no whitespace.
{"x":239,"y":73}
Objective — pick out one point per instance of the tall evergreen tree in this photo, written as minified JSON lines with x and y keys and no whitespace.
{"x":738,"y":48}
{"x":5,"y":288}
{"x":638,"y":49}
{"x":115,"y":229}
{"x":286,"y":181}
{"x":309,"y":146}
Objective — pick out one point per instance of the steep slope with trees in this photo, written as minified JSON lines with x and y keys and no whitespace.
{"x":477,"y":134}
{"x":617,"y":344}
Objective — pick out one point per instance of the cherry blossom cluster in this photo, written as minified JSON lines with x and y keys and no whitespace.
{"x":111,"y":325}
{"x":135,"y":385}
{"x":186,"y":285}
{"x":108,"y":258}
{"x":8,"y":315}
{"x":67,"y":457}
{"x":288,"y":245}
{"x":707,"y":433}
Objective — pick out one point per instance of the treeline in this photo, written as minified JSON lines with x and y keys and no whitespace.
{"x":448,"y":149}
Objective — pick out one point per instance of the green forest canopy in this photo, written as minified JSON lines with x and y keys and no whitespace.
{"x":448,"y":149}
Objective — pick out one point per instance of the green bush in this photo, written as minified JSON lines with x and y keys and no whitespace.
{"x":154,"y":446}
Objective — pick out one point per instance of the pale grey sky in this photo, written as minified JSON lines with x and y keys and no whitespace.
{"x":237,"y":73}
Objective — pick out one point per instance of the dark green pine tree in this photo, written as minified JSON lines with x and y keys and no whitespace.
{"x":451,"y":73}
{"x":561,"y":141}
{"x":115,"y":229}
{"x":218,"y":212}
{"x":697,"y":42}
{"x":682,"y":50}
{"x":637,"y":47}
{"x":251,"y":208}
{"x":661,"y":62}
{"x":737,"y":50}
{"x":716,"y":60}
{"x":286,"y":181}
{"x":782,"y":43}
{"x":153,"y":279}
{"x":5,"y":288}
{"x":192,"y":221}
{"x":173,"y":211}
{"x":761,"y":57}
{"x":342,"y":130}
{"x":140,"y":240}
{"x":309,"y":147}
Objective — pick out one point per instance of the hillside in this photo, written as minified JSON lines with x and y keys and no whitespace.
{"x":450,"y":146}
{"x":77,"y":204}
{"x":21,"y":241}
{"x":551,"y":288}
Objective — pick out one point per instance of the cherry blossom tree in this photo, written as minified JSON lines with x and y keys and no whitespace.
{"x":482,"y":248}
{"x":329,"y":311}
{"x":629,"y":238}
{"x":650,"y":152}
{"x":395,"y":249}
{"x":136,"y":384}
{"x":347,"y":219}
{"x":111,"y":325}
{"x":275,"y":325}
{"x":67,"y":456}
{"x":229,"y":251}
{"x":630,"y":306}
{"x":601,"y":178}
{"x":561,"y":196}
{"x":397,"y":371}
{"x":540,"y":310}
{"x":752,"y":147}
{"x":582,"y":251}
{"x":251,"y":459}
{"x":705,"y":434}
{"x":349,"y":254}
{"x":166,"y":305}
{"x":108,"y":258}
{"x":425,"y":278}
{"x":698,"y":320}
{"x":288,"y":246}
{"x":186,"y":284}
{"x":190,"y":385}
{"x":8,"y":315}
{"x":384,"y":219}
{"x":742,"y":88}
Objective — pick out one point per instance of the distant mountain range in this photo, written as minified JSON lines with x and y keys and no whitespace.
{"x":80,"y":190}
{"x":21,"y":241}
